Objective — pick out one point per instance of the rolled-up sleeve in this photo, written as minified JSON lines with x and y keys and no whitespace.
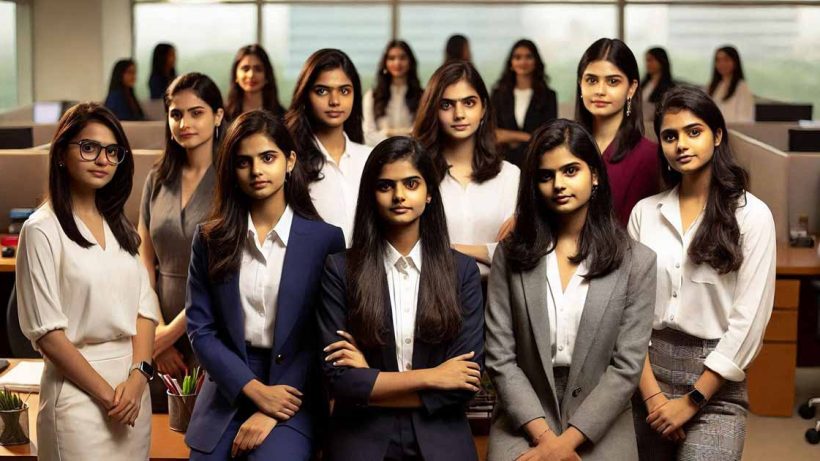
{"x":38,"y":289}
{"x":149,"y":303}
{"x":753,"y":297}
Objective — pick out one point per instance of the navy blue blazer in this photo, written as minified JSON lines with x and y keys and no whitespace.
{"x":360,"y":432}
{"x":217,"y":332}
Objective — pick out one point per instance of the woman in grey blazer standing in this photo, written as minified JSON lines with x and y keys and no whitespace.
{"x":569,"y":313}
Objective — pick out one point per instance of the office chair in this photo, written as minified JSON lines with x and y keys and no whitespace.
{"x":20,"y":345}
{"x":809,"y":409}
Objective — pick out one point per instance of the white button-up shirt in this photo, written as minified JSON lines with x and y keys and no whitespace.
{"x":335,"y":195}
{"x":396,"y":115}
{"x":733,"y":308}
{"x":475,"y":212}
{"x":259,"y":278}
{"x":403,"y":276}
{"x":564,"y":308}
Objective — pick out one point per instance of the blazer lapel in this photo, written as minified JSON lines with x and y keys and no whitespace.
{"x":388,"y":334}
{"x":292,"y":283}
{"x":533,"y":284}
{"x":232,"y":312}
{"x":600,"y":290}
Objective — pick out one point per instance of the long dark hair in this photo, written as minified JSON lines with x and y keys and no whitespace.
{"x":115,"y":84}
{"x":540,"y":79}
{"x":737,"y":73}
{"x":381,"y":92}
{"x":227,"y":227}
{"x":717,"y":241}
{"x":299,"y":117}
{"x":169,"y":166}
{"x":160,"y":59}
{"x":439,"y":311}
{"x":665,"y":82}
{"x":602,"y":243}
{"x":454,"y":49}
{"x":486,"y":160}
{"x":631,"y":129}
{"x":270,"y":93}
{"x":111,"y":198}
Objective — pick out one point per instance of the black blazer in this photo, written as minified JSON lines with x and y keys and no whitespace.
{"x":360,"y":432}
{"x":543,"y":108}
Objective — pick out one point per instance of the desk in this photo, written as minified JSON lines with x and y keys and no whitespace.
{"x":7,"y":264}
{"x":166,"y":445}
{"x":792,"y":261}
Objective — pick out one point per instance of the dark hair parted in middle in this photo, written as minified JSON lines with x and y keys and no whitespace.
{"x":439,"y":311}
{"x":603,"y":242}
{"x":717,"y":240}
{"x":381,"y":93}
{"x":299,"y":117}
{"x":116,"y":84}
{"x":170,"y":164}
{"x":427,"y":129}
{"x":227,"y":228}
{"x":665,"y":82}
{"x":111,"y":198}
{"x":616,"y":52}
{"x":540,"y":79}
{"x":737,"y":72}
{"x":270,"y":92}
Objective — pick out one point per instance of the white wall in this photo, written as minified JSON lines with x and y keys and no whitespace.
{"x":75,"y":44}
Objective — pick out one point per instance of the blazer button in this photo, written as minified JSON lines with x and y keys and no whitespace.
{"x":576,"y":392}
{"x":279,"y":359}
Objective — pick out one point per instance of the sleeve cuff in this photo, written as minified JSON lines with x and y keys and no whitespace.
{"x":723,"y":366}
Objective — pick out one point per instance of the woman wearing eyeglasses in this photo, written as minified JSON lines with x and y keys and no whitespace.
{"x":84,"y":297}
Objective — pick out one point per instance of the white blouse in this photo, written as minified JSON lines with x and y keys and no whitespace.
{"x":94,"y":294}
{"x":522,"y":99}
{"x":397,"y":115}
{"x":403,"y":277}
{"x":564,"y":308}
{"x":733,"y":308}
{"x":475,"y":212}
{"x":259,"y":278}
{"x":336,"y":194}
{"x":740,"y":107}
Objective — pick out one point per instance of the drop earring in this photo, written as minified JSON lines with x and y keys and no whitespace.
{"x":217,"y":132}
{"x":628,"y":106}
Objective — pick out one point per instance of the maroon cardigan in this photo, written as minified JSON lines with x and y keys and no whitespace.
{"x":635,"y":177}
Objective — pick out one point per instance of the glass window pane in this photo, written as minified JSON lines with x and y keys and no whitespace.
{"x":206,"y":38}
{"x":562,"y":33}
{"x":779,"y":47}
{"x":8,"y":55}
{"x":293,"y":32}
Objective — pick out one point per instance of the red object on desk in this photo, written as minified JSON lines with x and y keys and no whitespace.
{"x":8,"y":240}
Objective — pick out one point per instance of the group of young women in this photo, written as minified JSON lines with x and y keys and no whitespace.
{"x":334,"y":295}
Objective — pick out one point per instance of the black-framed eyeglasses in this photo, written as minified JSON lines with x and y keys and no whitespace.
{"x":90,"y":151}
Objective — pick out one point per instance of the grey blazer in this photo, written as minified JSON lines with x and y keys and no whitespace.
{"x":607,"y":360}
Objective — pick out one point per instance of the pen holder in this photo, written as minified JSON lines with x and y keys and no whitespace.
{"x":14,"y":426}
{"x":180,"y":408}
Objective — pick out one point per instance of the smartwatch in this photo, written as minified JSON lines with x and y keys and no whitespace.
{"x":145,"y":368}
{"x":697,"y":398}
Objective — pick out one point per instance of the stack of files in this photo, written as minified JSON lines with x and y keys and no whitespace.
{"x":23,"y":377}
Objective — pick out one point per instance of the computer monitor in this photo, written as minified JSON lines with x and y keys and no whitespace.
{"x":47,"y":111}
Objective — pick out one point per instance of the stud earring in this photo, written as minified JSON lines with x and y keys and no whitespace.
{"x":60,"y":164}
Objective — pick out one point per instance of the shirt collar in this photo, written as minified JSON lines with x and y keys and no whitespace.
{"x":392,"y":258}
{"x":281,"y":230}
{"x":669,"y":206}
{"x":324,"y":151}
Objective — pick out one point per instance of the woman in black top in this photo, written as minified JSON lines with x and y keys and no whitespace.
{"x":522,"y":100}
{"x":163,"y":69}
{"x":121,"y":99}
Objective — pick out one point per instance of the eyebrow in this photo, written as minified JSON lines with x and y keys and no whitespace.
{"x":188,"y":109}
{"x":687,"y":127}
{"x":322,"y":85}
{"x":550,"y":170}
{"x":269,"y":151}
{"x":461,"y":100}
{"x":393,"y":181}
{"x":589,"y":74}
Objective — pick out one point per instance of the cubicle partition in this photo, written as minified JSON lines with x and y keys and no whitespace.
{"x":25,"y":180}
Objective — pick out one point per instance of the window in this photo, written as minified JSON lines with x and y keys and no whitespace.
{"x":562,"y":33}
{"x":8,"y":55}
{"x":778,"y":46}
{"x":206,"y":38}
{"x":291,"y":33}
